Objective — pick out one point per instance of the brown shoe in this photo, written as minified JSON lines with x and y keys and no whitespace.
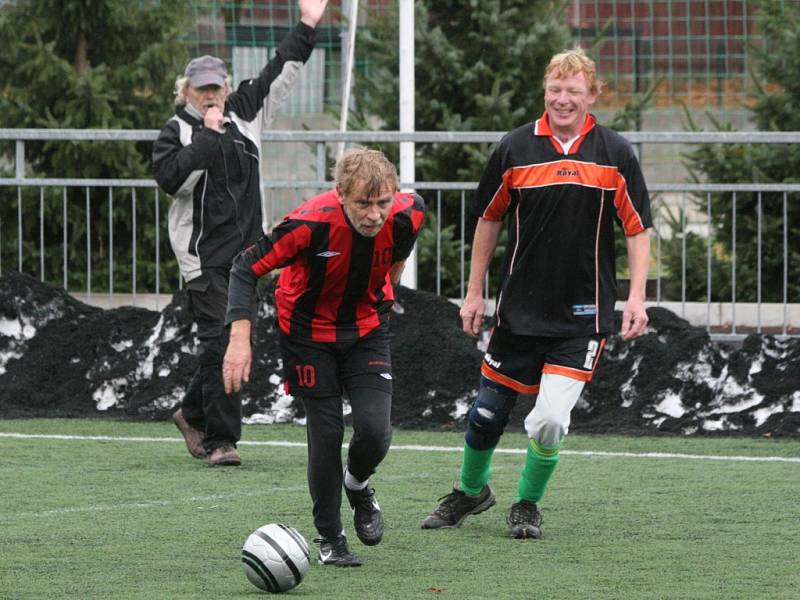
{"x":194,"y":437}
{"x":225,"y":455}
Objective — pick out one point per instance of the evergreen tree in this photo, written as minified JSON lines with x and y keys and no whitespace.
{"x":479,"y":67}
{"x":81,"y":64}
{"x":776,"y":108}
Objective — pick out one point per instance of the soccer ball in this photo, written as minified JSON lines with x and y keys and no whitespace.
{"x":275,"y":557}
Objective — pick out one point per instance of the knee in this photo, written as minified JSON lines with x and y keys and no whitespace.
{"x":375,"y":436}
{"x":545,"y":428}
{"x":488,"y":417}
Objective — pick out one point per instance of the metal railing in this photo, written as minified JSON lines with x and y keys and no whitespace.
{"x":681,"y":197}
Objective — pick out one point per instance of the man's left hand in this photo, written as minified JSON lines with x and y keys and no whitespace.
{"x":634,"y":319}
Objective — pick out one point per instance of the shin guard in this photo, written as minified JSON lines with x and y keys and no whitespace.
{"x":540,"y":463}
{"x":476,"y":468}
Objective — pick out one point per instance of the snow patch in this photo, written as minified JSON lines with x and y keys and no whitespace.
{"x":715,"y":425}
{"x":762,"y":414}
{"x":145,"y":370}
{"x":108,"y":394}
{"x":626,"y":390}
{"x":461,"y":407}
{"x":172,"y":400}
{"x":671,"y":405}
{"x":795,"y":402}
{"x":7,"y":356}
{"x":123,"y":345}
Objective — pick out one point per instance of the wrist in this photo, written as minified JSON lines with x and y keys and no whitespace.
{"x":308,"y":21}
{"x":240,"y":330}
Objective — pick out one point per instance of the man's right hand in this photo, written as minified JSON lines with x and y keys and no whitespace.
{"x":311,"y":11}
{"x":472,"y":314}
{"x":238,"y":357}
{"x":214,"y":119}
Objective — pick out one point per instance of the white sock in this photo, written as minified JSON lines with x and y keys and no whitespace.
{"x":351,"y":483}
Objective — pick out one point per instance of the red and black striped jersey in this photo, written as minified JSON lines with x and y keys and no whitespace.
{"x":558,"y":277}
{"x":335,"y":283}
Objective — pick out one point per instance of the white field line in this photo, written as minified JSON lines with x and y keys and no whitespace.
{"x":418,"y":448}
{"x":95,"y":508}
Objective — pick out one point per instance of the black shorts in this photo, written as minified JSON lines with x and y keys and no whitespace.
{"x":323,"y":369}
{"x":518,"y":361}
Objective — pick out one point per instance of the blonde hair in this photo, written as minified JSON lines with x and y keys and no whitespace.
{"x":571,"y":62}
{"x":182,"y":82}
{"x":370,"y":167}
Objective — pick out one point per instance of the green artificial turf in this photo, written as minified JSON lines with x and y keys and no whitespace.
{"x":139,"y":518}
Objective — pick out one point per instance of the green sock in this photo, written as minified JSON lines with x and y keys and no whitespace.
{"x":540,"y":463}
{"x":475,"y":469}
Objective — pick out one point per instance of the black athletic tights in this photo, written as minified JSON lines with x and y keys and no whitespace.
{"x":372,"y":434}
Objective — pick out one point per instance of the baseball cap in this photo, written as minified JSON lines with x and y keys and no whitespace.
{"x":206,"y":70}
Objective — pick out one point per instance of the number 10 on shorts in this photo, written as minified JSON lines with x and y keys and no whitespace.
{"x":306,"y":376}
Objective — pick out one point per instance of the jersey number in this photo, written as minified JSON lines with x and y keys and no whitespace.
{"x":591,"y":352}
{"x":306,"y":375}
{"x":381,"y":258}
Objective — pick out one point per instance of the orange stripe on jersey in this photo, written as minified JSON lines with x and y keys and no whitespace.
{"x":564,"y":172}
{"x":498,"y":205}
{"x":515,"y":385}
{"x":631,"y":220}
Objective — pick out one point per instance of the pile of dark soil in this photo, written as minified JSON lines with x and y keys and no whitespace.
{"x":60,"y":357}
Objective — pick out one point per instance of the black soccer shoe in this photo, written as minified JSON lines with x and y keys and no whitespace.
{"x":457,"y":506}
{"x":367,"y":515}
{"x":336,"y":552}
{"x":524,"y":520}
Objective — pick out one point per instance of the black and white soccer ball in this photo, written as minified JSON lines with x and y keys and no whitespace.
{"x":275,"y":557}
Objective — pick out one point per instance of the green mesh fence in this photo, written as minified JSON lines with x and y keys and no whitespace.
{"x":246,"y":33}
{"x":698,"y":51}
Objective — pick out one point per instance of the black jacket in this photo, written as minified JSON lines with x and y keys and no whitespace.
{"x":214,"y":178}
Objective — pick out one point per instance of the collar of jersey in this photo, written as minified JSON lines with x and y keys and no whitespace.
{"x":542,"y":126}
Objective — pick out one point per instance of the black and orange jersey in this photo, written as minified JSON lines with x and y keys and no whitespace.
{"x":334,"y":286}
{"x":558,"y":277}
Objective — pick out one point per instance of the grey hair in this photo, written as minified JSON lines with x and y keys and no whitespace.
{"x":366,"y":167}
{"x":182,"y":82}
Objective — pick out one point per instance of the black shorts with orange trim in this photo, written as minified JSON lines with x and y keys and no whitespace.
{"x":518,"y":361}
{"x":324,"y":369}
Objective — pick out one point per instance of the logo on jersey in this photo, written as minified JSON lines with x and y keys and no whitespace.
{"x":584,"y":310}
{"x":328,"y":254}
{"x":386,"y":375}
{"x":495,"y":364}
{"x":567,"y":173}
